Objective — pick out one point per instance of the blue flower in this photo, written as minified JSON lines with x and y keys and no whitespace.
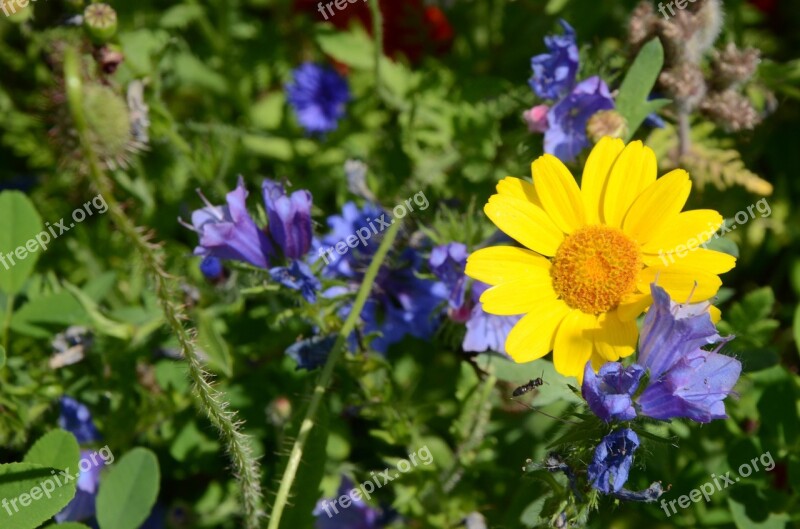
{"x":318,"y":95}
{"x":671,"y":331}
{"x":369,"y":221}
{"x":312,"y":352}
{"x":609,"y":392}
{"x":82,"y":506}
{"x":228,"y":232}
{"x":76,"y":419}
{"x":358,"y":515}
{"x":554,"y":72}
{"x":289,"y":218}
{"x":566,"y":135}
{"x":612,"y":460}
{"x":212,"y":268}
{"x":447,"y":263}
{"x":298,"y":276}
{"x":402,"y":304}
{"x":486,"y":332}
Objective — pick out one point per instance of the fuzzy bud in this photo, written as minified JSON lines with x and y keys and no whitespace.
{"x":733,"y":66}
{"x":642,"y":24}
{"x":685,"y":84}
{"x":731,"y":110}
{"x":100,"y":22}
{"x":709,"y":16}
{"x":606,"y":123}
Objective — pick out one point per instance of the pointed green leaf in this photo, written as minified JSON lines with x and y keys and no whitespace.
{"x":19,"y":224}
{"x":632,"y":100}
{"x":129,"y":491}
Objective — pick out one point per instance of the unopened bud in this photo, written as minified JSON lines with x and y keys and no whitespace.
{"x":100,"y":22}
{"x":606,"y":123}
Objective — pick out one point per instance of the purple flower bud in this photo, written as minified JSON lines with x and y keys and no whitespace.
{"x":358,"y":515}
{"x":77,"y":420}
{"x":554,"y":72}
{"x":298,"y":276}
{"x":289,"y":218}
{"x":486,"y":332}
{"x":212,"y":268}
{"x":612,"y":460}
{"x":318,"y":95}
{"x":447,"y":263}
{"x":609,"y":392}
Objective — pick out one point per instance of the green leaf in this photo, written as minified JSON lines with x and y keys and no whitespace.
{"x":744,"y":521}
{"x":129,"y":491}
{"x":354,"y":48}
{"x":100,"y":322}
{"x":57,"y":449}
{"x":19,"y":224}
{"x":210,"y":339}
{"x":181,"y":15}
{"x":68,"y":525}
{"x":60,"y":309}
{"x":2,"y":357}
{"x":31,"y":502}
{"x":632,"y":100}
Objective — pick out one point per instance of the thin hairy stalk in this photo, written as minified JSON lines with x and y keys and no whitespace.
{"x":211,"y":401}
{"x":377,"y":31}
{"x":325,"y":378}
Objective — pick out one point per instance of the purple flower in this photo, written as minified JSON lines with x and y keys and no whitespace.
{"x":672,"y":331}
{"x":76,"y":419}
{"x":289,"y":218}
{"x":694,"y":388}
{"x":228,"y":232}
{"x":566,"y":136}
{"x":358,"y":515}
{"x":447,"y":264}
{"x":554,"y":72}
{"x":318,"y":95}
{"x":612,"y":460}
{"x":312,"y":352}
{"x":82,"y":506}
{"x":486,"y":332}
{"x":298,"y":276}
{"x":609,"y":392}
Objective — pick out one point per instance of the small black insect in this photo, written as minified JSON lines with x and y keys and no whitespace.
{"x":530,"y":386}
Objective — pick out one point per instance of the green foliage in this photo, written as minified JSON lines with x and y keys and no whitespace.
{"x":633,"y":99}
{"x":129,"y":491}
{"x":21,"y":223}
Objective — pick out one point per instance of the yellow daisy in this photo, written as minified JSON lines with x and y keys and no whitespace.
{"x":592,"y":253}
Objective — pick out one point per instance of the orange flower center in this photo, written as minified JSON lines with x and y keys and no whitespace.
{"x":595,"y":267}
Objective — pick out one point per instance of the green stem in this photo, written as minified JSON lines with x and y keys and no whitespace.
{"x":325,"y":378}
{"x":7,"y":321}
{"x":211,"y":401}
{"x":377,"y":31}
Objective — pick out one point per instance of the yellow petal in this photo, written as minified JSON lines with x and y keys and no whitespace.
{"x":657,"y":206}
{"x":634,"y":170}
{"x":559,"y":193}
{"x":689,"y":229}
{"x":715,"y":313}
{"x":525,"y":222}
{"x":633,"y":305}
{"x":598,"y":361}
{"x":532,"y":337}
{"x":615,"y":338}
{"x":681,"y":283}
{"x":500,"y":264}
{"x":595,"y":176}
{"x":518,"y":188}
{"x":697,"y":258}
{"x":519,"y":297}
{"x":574,"y":343}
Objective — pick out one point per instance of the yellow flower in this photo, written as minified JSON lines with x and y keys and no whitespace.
{"x":592,"y":253}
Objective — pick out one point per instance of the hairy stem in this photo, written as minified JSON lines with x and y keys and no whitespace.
{"x":325,"y":378}
{"x":211,"y":401}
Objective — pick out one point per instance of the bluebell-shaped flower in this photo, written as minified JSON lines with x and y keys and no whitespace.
{"x":318,"y":95}
{"x":82,"y":506}
{"x":76,"y":419}
{"x":554,"y":72}
{"x":289,"y":218}
{"x":358,"y":515}
{"x":486,"y":332}
{"x":447,"y":263}
{"x":298,"y":276}
{"x":612,"y":460}
{"x":609,"y":392}
{"x":566,"y":135}
{"x":229,"y":232}
{"x":671,"y":331}
{"x":368,"y":221}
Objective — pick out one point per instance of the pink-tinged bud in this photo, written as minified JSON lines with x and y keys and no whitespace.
{"x":536,"y":118}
